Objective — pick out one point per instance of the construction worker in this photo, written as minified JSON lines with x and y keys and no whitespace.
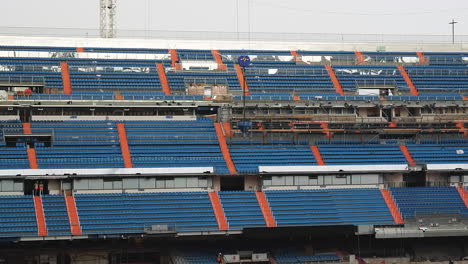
{"x":36,"y":188}
{"x":41,"y":189}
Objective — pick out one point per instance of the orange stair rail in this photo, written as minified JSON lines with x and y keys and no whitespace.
{"x":463,"y":195}
{"x":224,"y":148}
{"x":219,"y":60}
{"x":73,"y":218}
{"x":227,"y":129}
{"x":296,"y":98}
{"x":80,"y":49}
{"x":40,"y":217}
{"x":240,"y":77}
{"x":317,"y":155}
{"x":218,"y":210}
{"x":32,"y":158}
{"x":266,"y":210}
{"x":359,"y":57}
{"x":422,"y":59}
{"x":408,"y":80}
{"x":334,"y":79}
{"x":67,"y":87}
{"x":27,"y":128}
{"x":407,"y":155}
{"x":163,"y":79}
{"x":392,"y":206}
{"x":174,"y":59}
{"x":124,"y":145}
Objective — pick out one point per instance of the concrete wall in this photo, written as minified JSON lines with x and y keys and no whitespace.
{"x":250,"y":183}
{"x":97,"y":257}
{"x":393,"y":177}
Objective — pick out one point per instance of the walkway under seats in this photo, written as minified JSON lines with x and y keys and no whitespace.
{"x":79,"y":144}
{"x":241,"y":209}
{"x":248,"y":157}
{"x":428,"y":201}
{"x":436,"y":153}
{"x":329,"y":207}
{"x":132,"y":212}
{"x":361,"y":154}
{"x":17,"y":216}
{"x":177,"y":143}
{"x":56,"y":215}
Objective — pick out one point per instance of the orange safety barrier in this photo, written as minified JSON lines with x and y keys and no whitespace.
{"x":27,"y":128}
{"x":32,"y":158}
{"x":73,"y":218}
{"x":334,"y":79}
{"x":359,"y":57}
{"x":11,"y":97}
{"x":80,"y":49}
{"x":219,"y":60}
{"x":224,"y":148}
{"x":266,"y":210}
{"x":218,"y":210}
{"x":296,"y":98}
{"x":67,"y":87}
{"x":227,"y":129}
{"x":408,"y":80}
{"x":463,"y":195}
{"x":40,"y":217}
{"x":124,"y":145}
{"x":163,"y":79}
{"x":392,"y":124}
{"x":118,"y":97}
{"x":392,"y":206}
{"x":461,"y":126}
{"x":422,"y":59}
{"x":240,"y":77}
{"x":407,"y":155}
{"x":326,"y":130}
{"x":175,"y":59}
{"x":317,"y":155}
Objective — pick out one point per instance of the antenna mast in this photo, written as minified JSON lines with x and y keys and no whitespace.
{"x":107,"y":26}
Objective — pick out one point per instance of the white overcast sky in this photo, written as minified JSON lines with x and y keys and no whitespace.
{"x":429,"y":17}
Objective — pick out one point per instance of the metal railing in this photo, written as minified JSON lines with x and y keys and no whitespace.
{"x":22,"y":80}
{"x":12,"y":68}
{"x":110,"y":69}
{"x":380,"y":83}
{"x":244,"y":36}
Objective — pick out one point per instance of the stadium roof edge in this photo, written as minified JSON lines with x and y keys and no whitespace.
{"x":232,"y":44}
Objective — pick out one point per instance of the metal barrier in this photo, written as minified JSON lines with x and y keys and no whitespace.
{"x":22,"y":81}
